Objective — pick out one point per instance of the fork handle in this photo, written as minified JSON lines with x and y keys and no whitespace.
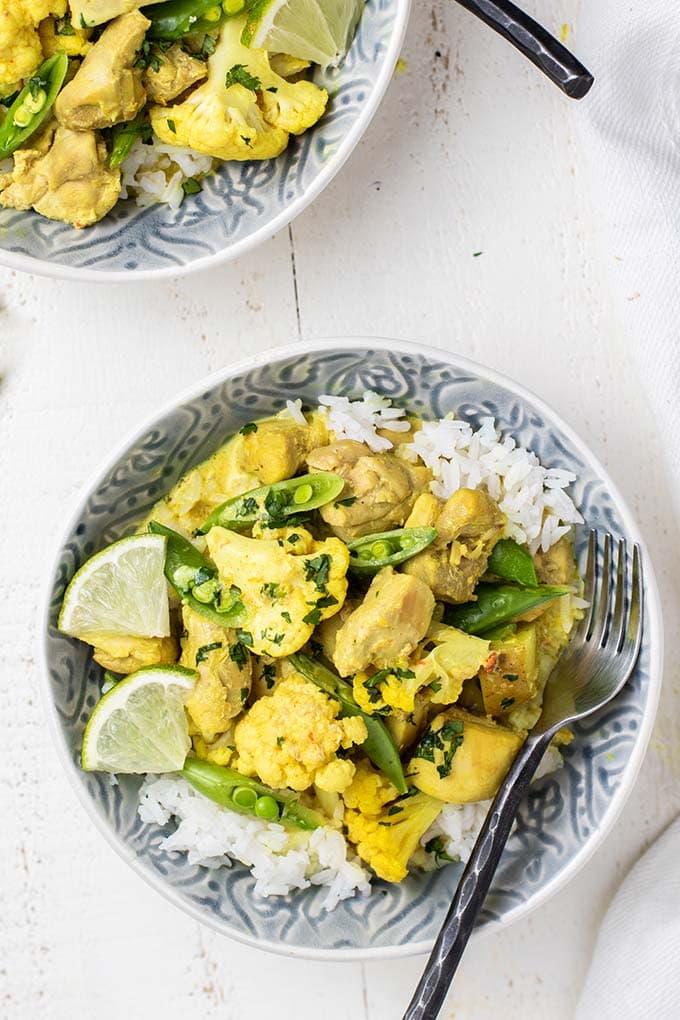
{"x":475,"y":882}
{"x":535,"y":42}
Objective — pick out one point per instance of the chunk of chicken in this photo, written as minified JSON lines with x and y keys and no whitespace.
{"x":277,"y":448}
{"x":223,"y":684}
{"x":107,"y":88}
{"x":468,"y":527}
{"x":122,"y":654}
{"x":387,"y":626}
{"x":64,"y":177}
{"x":176,"y":71}
{"x":383,"y":488}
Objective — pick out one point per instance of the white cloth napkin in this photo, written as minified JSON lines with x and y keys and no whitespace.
{"x":630,"y":124}
{"x":635,"y":973}
{"x":630,"y":134}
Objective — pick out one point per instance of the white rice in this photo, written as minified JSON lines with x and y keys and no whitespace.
{"x":533,"y":498}
{"x":361,"y":419}
{"x":280,"y":861}
{"x":156,"y":172}
{"x":294,"y":411}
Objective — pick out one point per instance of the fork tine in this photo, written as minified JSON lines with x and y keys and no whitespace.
{"x":637,"y":600}
{"x":618,"y":624}
{"x":598,"y":631}
{"x":589,"y":581}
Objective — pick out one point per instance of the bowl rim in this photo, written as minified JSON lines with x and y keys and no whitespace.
{"x":654,"y":639}
{"x":41,"y":267}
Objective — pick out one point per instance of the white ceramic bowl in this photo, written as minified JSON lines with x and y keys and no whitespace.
{"x":567,"y":814}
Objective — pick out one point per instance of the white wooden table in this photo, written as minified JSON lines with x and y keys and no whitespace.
{"x":463,"y":220}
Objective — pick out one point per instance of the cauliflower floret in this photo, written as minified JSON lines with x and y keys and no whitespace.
{"x":369,"y":790}
{"x":20,"y":50}
{"x":75,"y":45}
{"x":388,"y":841}
{"x":244,"y":111}
{"x":290,"y":739}
{"x":285,"y":594}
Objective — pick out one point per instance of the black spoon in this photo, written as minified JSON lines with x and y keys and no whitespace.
{"x":531,"y":39}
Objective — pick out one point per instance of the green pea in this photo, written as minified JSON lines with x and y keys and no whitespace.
{"x":206,"y":592}
{"x":303,"y":494}
{"x":245,"y":797}
{"x":380,"y":550}
{"x":267,"y":808}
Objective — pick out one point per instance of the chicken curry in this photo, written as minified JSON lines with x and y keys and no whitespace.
{"x":357,"y":641}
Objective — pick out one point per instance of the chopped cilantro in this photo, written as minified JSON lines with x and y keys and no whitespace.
{"x":172,"y":126}
{"x":349,"y":501}
{"x":436,"y":846}
{"x":446,"y":740}
{"x":245,"y":691}
{"x":249,"y":427}
{"x":507,"y":702}
{"x":315,"y":647}
{"x":245,"y":637}
{"x":269,"y":674}
{"x":275,"y":502}
{"x":436,"y":686}
{"x":205,"y":650}
{"x":511,"y":677}
{"x":63,"y":26}
{"x":396,"y":809}
{"x":240,"y":75}
{"x":246,"y":139}
{"x":294,"y":538}
{"x":272,"y":88}
{"x":238,"y":653}
{"x":247,"y":507}
{"x":313,"y":617}
{"x":191,"y":186}
{"x":285,"y":615}
{"x":318,"y":570}
{"x":326,"y":601}
{"x":271,"y":589}
{"x":280,"y":741}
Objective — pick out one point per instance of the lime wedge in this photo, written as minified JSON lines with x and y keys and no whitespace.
{"x":316,"y":30}
{"x":141,"y":725}
{"x":121,"y":590}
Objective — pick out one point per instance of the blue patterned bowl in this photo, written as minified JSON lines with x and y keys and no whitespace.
{"x":566,"y":815}
{"x":241,"y":205}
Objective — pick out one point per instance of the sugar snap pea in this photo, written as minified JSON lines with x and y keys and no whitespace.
{"x":500,"y":604}
{"x":177,"y":18}
{"x":273,"y":504}
{"x":512,"y":562}
{"x":378,"y":746}
{"x":370,"y":554}
{"x":196,"y":581}
{"x":34,"y":102}
{"x":246,"y":796}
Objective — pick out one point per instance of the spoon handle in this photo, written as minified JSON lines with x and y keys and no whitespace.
{"x":475,"y":882}
{"x":531,"y":39}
